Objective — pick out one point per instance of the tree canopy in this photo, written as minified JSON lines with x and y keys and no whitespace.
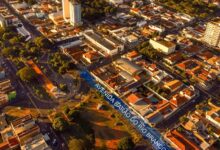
{"x":60,"y":124}
{"x":78,"y":144}
{"x":196,"y":8}
{"x":27,"y":74}
{"x":126,"y":143}
{"x":74,"y":115}
{"x":41,"y":42}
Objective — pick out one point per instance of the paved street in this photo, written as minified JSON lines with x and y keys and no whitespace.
{"x":34,"y":32}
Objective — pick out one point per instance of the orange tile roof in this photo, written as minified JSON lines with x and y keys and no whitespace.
{"x":206,"y":55}
{"x":188,"y":92}
{"x":178,"y":100}
{"x":133,"y":98}
{"x":4,"y":146}
{"x":133,"y":54}
{"x":203,"y":77}
{"x":165,"y":108}
{"x":175,"y":57}
{"x":91,"y":55}
{"x":135,"y":9}
{"x":13,"y":141}
{"x":173,"y":84}
{"x":192,"y":49}
{"x":182,"y":143}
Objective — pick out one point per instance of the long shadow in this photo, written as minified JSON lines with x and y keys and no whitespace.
{"x":26,"y":103}
{"x":106,"y":133}
{"x":94,"y":116}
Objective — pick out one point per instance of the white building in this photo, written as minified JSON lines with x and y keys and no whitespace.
{"x":163,"y":46}
{"x":212,"y":33}
{"x":75,"y":13}
{"x":116,"y":2}
{"x":214,"y":117}
{"x":107,"y":45}
{"x":124,"y":35}
{"x":66,"y":9}
{"x":2,"y":21}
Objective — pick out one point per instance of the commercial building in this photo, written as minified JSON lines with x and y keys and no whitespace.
{"x":66,"y":9}
{"x":108,"y":45}
{"x":212,"y":33}
{"x":163,"y":46}
{"x":128,"y":66}
{"x":75,"y":13}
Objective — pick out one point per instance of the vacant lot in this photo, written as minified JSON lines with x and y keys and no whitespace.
{"x":109,"y":126}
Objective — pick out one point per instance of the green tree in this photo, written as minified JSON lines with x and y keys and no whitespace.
{"x":74,"y":115}
{"x":14,"y":40}
{"x":60,"y":124}
{"x":180,"y":129}
{"x":126,"y":143}
{"x":7,"y":35}
{"x":63,"y":87}
{"x":2,"y":30}
{"x":7,"y":52}
{"x":41,"y":42}
{"x":183,"y":119}
{"x":27,"y":74}
{"x":78,"y":144}
{"x":66,"y":110}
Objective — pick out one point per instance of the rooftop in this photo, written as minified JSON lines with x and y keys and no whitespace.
{"x":128,"y":66}
{"x":100,"y":40}
{"x":181,"y":141}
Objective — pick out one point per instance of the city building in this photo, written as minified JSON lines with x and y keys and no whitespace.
{"x":116,"y":2}
{"x":24,"y":128}
{"x":66,"y":9}
{"x":7,"y":92}
{"x":212,"y":33}
{"x":214,"y":117}
{"x":91,"y":56}
{"x":6,"y":18}
{"x":107,"y":45}
{"x":179,"y":141}
{"x":36,"y":143}
{"x":163,"y":46}
{"x":128,"y":66}
{"x":2,"y":73}
{"x":75,"y":13}
{"x":2,"y":21}
{"x":23,"y":133}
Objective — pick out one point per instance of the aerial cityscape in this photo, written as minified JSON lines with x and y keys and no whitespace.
{"x":109,"y":74}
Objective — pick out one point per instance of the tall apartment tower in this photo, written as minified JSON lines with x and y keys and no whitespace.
{"x":66,"y":9}
{"x":212,"y":33}
{"x":75,"y":13}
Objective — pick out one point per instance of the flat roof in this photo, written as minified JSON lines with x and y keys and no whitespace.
{"x":128,"y":66}
{"x":100,"y":40}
